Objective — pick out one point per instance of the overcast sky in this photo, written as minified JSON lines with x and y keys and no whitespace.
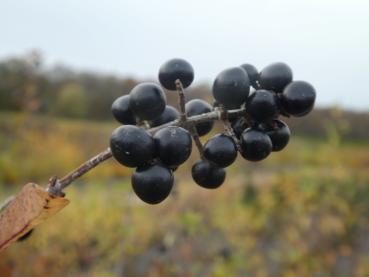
{"x":326,"y":42}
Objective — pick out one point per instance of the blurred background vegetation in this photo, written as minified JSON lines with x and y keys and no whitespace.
{"x":302,"y":212}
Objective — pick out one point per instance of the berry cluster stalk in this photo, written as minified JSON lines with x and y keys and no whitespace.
{"x":228,"y":128}
{"x":183,"y":119}
{"x":56,"y":186}
{"x":181,"y":101}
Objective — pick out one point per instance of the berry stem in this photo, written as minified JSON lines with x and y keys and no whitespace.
{"x":197,"y":140}
{"x":228,"y":128}
{"x":190,"y":126}
{"x":56,"y":186}
{"x":181,"y":100}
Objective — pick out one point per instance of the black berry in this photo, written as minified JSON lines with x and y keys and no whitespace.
{"x":147,"y":101}
{"x":208,"y":175}
{"x":298,"y":98}
{"x":174,"y":145}
{"x":256,"y":125}
{"x":196,"y":107}
{"x":253,"y":74}
{"x":279,"y":134}
{"x":262,"y":105}
{"x":231,"y":87}
{"x":173,"y":70}
{"x":152,"y":184}
{"x":122,"y":111}
{"x":275,"y":77}
{"x":255,"y":145}
{"x":170,"y":113}
{"x":220,"y":150}
{"x":132,"y":146}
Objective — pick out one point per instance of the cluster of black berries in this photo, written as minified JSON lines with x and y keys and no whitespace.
{"x":254,"y":132}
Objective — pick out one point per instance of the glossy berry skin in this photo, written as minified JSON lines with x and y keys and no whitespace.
{"x":298,"y":98}
{"x":279,"y":133}
{"x":132,"y":146}
{"x":239,"y":125}
{"x":152,"y":184}
{"x":122,"y":112}
{"x":255,"y":145}
{"x":231,"y":87}
{"x":275,"y":77}
{"x":262,"y":105}
{"x":147,"y":101}
{"x":208,"y":175}
{"x":173,"y":70}
{"x":174,"y":145}
{"x":196,"y":107}
{"x":253,"y":74}
{"x":220,"y":150}
{"x":170,"y":113}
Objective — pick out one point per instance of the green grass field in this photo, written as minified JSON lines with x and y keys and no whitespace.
{"x":301,"y":212}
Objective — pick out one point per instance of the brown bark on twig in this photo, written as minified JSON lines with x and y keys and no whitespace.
{"x":56,"y":186}
{"x":181,"y":101}
{"x":196,"y":139}
{"x":228,"y":128}
{"x":190,"y":126}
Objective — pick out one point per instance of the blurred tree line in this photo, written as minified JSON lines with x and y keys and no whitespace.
{"x":26,"y":84}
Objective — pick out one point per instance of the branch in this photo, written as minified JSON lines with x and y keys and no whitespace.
{"x":55,"y":186}
{"x":181,"y":100}
{"x":190,"y":126}
{"x":197,"y":140}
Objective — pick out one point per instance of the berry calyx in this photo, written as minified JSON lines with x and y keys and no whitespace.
{"x":255,"y":145}
{"x":197,"y":107}
{"x":262,"y":105}
{"x":176,"y":69}
{"x":231,"y":87}
{"x":132,"y":146}
{"x":208,"y":175}
{"x":298,"y":98}
{"x":122,"y":112}
{"x":152,"y":184}
{"x":220,"y":150}
{"x":275,"y":77}
{"x":147,"y":101}
{"x":174,"y":145}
